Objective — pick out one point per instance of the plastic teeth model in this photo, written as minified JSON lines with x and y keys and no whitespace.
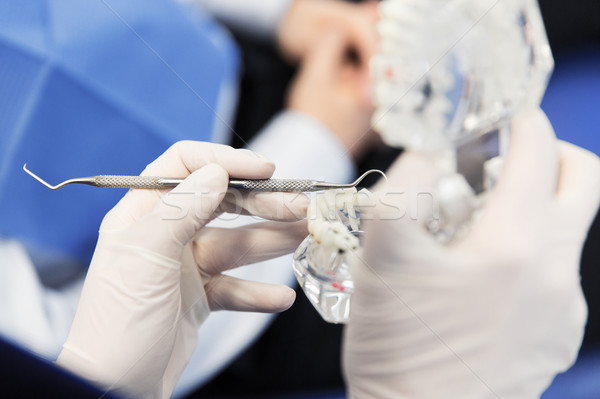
{"x":449,"y":76}
{"x":321,"y":261}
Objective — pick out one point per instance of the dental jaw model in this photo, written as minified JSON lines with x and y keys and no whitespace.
{"x":321,"y":260}
{"x":448,"y":78}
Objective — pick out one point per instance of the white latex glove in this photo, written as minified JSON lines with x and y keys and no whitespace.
{"x":156,"y":271}
{"x":495,"y":315}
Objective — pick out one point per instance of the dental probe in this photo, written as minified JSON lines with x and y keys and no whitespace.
{"x":154,"y":182}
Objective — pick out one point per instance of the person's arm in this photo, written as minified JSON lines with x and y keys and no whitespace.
{"x":326,"y":126}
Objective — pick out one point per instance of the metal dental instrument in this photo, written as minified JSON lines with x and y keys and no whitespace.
{"x":154,"y":182}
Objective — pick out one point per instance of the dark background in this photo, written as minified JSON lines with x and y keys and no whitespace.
{"x":299,"y":352}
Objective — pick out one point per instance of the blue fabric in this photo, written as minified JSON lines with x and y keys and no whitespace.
{"x":97,"y":87}
{"x":580,"y":381}
{"x":572,"y":101}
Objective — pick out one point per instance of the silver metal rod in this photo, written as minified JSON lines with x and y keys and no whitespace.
{"x":154,"y":182}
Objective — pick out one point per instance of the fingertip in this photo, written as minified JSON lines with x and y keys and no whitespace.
{"x":270,"y":205}
{"x":533,"y":121}
{"x":285,"y":299}
{"x":231,"y":293}
{"x":530,"y":114}
{"x":530,"y":171}
{"x":295,"y":205}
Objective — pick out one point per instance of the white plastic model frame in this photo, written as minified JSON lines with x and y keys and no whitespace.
{"x":449,"y":76}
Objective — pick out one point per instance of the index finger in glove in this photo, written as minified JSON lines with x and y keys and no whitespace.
{"x":179,"y":161}
{"x":267,"y":205}
{"x":531,"y":167}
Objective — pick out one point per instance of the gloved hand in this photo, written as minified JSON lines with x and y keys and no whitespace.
{"x":156,"y":271}
{"x":494,"y":315}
